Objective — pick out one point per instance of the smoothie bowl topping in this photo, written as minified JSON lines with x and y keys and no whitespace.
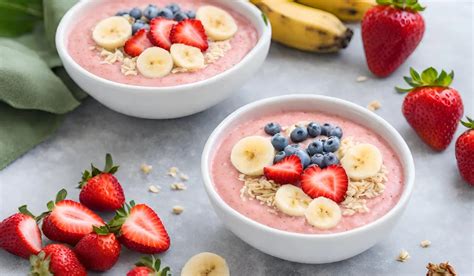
{"x":310,"y":172}
{"x":157,"y":41}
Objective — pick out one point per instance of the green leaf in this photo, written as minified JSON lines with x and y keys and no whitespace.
{"x":24,"y":210}
{"x":50,"y":205}
{"x":61,"y":195}
{"x":402,"y":90}
{"x":469,"y":123}
{"x":19,"y":16}
{"x":415,"y":75}
{"x":429,"y":75}
{"x":165,"y":271}
{"x":108,"y":162}
{"x":410,"y":81}
{"x":265,"y":19}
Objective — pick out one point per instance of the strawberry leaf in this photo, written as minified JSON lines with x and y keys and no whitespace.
{"x":24,"y":210}
{"x":428,"y":77}
{"x":411,"y":5}
{"x":469,"y":123}
{"x":108,"y":168}
{"x":61,"y":195}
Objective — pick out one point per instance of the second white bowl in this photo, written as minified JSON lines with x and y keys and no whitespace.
{"x":308,"y":248}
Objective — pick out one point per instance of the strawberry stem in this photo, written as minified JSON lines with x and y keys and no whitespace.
{"x":428,"y":77}
{"x":24,"y":210}
{"x":121,"y":215}
{"x":108,"y":168}
{"x":154,"y":264}
{"x":469,"y":123}
{"x":411,"y":5}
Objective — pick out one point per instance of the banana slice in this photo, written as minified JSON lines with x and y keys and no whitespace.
{"x":218,"y":23}
{"x":251,"y":154}
{"x":323,"y":213}
{"x":155,"y":62}
{"x":187,"y":57}
{"x":291,"y":200}
{"x":362,"y":161}
{"x":112,"y":32}
{"x":205,"y":263}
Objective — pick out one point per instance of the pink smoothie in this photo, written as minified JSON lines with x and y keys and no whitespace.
{"x":225,"y":176}
{"x":80,"y":41}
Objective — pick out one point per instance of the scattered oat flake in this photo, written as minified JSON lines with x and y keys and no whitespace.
{"x":425,"y":243}
{"x":258,"y":188}
{"x":177,"y":209}
{"x":403,"y":256}
{"x":442,"y":269}
{"x":178,"y":186}
{"x":183,"y":177}
{"x":146,"y":169}
{"x":361,"y":78}
{"x":173,"y":171}
{"x":374,"y":105}
{"x":154,"y":189}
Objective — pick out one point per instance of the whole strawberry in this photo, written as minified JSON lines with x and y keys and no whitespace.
{"x":391,"y":31}
{"x":432,"y":108}
{"x":20,"y":234}
{"x":465,"y":152}
{"x":98,"y":251}
{"x":139,"y":228}
{"x":149,"y":266}
{"x":100,"y":190}
{"x":57,"y":260}
{"x":68,"y":221}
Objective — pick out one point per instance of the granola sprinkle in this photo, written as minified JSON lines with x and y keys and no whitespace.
{"x":258,"y":188}
{"x":154,"y":189}
{"x":145,"y":168}
{"x":442,"y":269}
{"x":178,"y":186}
{"x":178,"y":209}
{"x":216,"y":50}
{"x":173,"y":171}
{"x":425,"y":243}
{"x":374,"y":105}
{"x":403,"y":256}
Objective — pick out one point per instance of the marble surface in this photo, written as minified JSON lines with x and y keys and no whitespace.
{"x":440,"y":210}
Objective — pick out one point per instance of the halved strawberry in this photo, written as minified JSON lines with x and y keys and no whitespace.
{"x":68,"y":221}
{"x":330,"y":182}
{"x":190,"y":32}
{"x":139,"y":228}
{"x":287,"y":171}
{"x":20,"y":235}
{"x":137,"y":43}
{"x":159,"y":34}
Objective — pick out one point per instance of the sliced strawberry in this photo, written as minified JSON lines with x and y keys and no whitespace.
{"x":137,"y":43}
{"x":20,"y":235}
{"x":287,"y":171}
{"x":140,"y":229}
{"x":160,"y":30}
{"x":330,"y":182}
{"x":190,"y":32}
{"x":68,"y":221}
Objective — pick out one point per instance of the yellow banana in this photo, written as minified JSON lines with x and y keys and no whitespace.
{"x":347,"y":10}
{"x":303,"y":27}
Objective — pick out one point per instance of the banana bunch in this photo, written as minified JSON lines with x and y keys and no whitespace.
{"x":313,"y":25}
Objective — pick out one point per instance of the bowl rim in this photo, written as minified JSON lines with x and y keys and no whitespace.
{"x":262,"y":27}
{"x":404,"y":154}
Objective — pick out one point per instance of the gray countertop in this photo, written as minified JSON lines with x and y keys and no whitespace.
{"x":440,"y":210}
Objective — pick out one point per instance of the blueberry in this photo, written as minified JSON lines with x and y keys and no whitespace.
{"x":279,"y":141}
{"x":166,"y":13}
{"x":299,"y":134}
{"x":174,"y":7}
{"x":325,"y":128}
{"x":279,"y":156}
{"x":136,"y":13}
{"x":332,"y":144}
{"x":291,"y":149}
{"x":138,"y":25}
{"x":180,"y":16}
{"x":314,"y":129}
{"x":304,"y":157}
{"x":121,"y":13}
{"x":191,"y":14}
{"x":330,"y":159}
{"x":272,"y":128}
{"x":151,"y":12}
{"x":318,"y":159}
{"x":315,"y":147}
{"x":335,"y":131}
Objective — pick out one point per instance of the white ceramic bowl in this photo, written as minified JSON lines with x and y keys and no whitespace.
{"x":309,"y":248}
{"x":166,"y":102}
